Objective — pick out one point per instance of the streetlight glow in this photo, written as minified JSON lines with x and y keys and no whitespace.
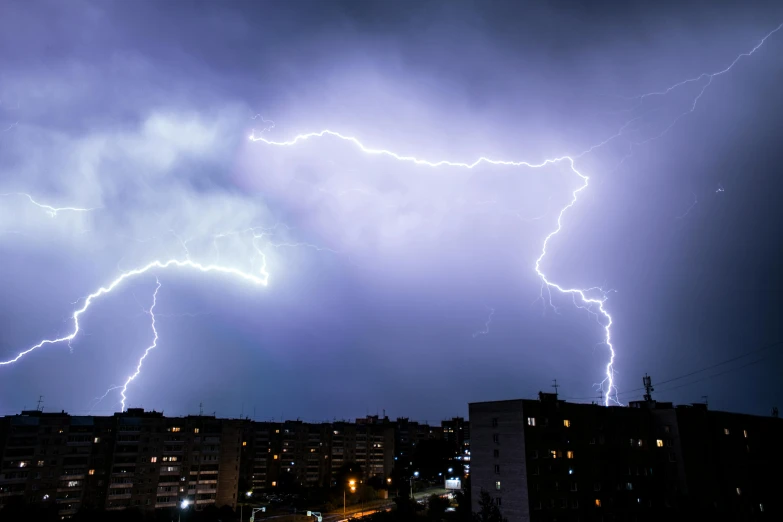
{"x":184,"y":504}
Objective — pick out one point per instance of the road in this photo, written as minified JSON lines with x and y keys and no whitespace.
{"x":375,"y":506}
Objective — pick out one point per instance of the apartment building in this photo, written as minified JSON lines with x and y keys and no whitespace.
{"x":133,"y":459}
{"x":553,"y":460}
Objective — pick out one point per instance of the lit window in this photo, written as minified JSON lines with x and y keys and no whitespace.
{"x":73,"y":483}
{"x":274,"y":483}
{"x":598,"y":502}
{"x":570,"y":454}
{"x":659,"y":443}
{"x":22,"y":464}
{"x":567,"y":423}
{"x":739,"y":491}
{"x":244,"y":443}
{"x":761,"y":507}
{"x":154,"y":459}
{"x":195,"y":430}
{"x":276,"y":431}
{"x":274,"y":457}
{"x":497,"y":485}
{"x":175,"y":429}
{"x":745,"y":433}
{"x":91,"y":472}
{"x":725,"y":431}
{"x":570,"y":471}
{"x":629,"y":486}
{"x":531,"y":421}
{"x":96,"y":440}
{"x":40,"y":463}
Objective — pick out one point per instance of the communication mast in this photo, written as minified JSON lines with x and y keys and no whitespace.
{"x":647,"y":381}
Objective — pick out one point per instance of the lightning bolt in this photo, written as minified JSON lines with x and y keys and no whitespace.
{"x":149,"y":348}
{"x":485,"y":331}
{"x":592,"y":299}
{"x":52,"y":211}
{"x":589,"y":301}
{"x":261,"y":279}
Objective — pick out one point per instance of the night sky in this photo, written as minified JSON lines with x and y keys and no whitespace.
{"x":391,"y":286}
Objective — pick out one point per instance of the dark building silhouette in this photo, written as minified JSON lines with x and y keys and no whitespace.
{"x":549,"y":460}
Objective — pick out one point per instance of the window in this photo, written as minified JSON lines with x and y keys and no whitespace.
{"x":195,"y":430}
{"x":274,"y":483}
{"x":598,"y":502}
{"x":573,"y":486}
{"x":73,"y":483}
{"x":553,"y":454}
{"x":40,"y":463}
{"x":667,"y":429}
{"x":535,"y":454}
{"x":496,"y":453}
{"x":497,"y":485}
{"x":154,"y":459}
{"x":244,"y":443}
{"x":761,"y":507}
{"x":531,"y":421}
{"x":739,"y":491}
{"x":274,"y":457}
{"x":495,"y":422}
{"x":96,"y":440}
{"x":574,"y":504}
{"x":570,"y":454}
{"x":629,"y":486}
{"x":91,"y":472}
{"x":725,"y":431}
{"x":495,"y":438}
{"x":659,"y":443}
{"x":672,"y":457}
{"x":597,"y":486}
{"x":745,"y":433}
{"x":570,"y":471}
{"x":497,"y":501}
{"x":567,"y":423}
{"x":278,"y":431}
{"x":497,"y":468}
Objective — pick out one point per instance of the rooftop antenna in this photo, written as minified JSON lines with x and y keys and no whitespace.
{"x":40,"y":401}
{"x":200,"y":409}
{"x":648,"y":387}
{"x":555,"y":386}
{"x":706,"y":402}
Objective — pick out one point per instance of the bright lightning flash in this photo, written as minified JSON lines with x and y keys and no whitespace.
{"x":261,"y":279}
{"x":590,"y":302}
{"x":149,"y":348}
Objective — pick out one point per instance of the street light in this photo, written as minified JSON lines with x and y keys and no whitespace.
{"x":182,"y":506}
{"x":352,"y":484}
{"x":416,"y":475}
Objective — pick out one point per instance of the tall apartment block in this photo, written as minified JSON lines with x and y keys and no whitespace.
{"x":133,"y":459}
{"x":549,"y":460}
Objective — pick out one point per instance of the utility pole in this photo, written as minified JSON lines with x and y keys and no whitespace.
{"x":555,"y":386}
{"x":648,"y":388}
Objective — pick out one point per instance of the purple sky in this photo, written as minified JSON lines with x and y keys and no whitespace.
{"x":383,"y":274}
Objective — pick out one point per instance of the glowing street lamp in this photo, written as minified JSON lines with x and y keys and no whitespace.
{"x":182,"y":506}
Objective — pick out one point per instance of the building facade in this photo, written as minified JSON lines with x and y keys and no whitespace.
{"x":549,"y":460}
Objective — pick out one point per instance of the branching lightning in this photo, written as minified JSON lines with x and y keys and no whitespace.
{"x":591,"y":299}
{"x":149,"y":348}
{"x":261,"y":279}
{"x":52,"y":211}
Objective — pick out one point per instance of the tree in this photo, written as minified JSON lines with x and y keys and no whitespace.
{"x":437,"y":507}
{"x":488,"y":509}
